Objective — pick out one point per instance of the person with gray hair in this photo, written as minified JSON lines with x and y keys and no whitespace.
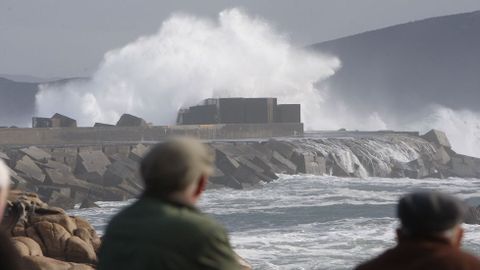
{"x":163,"y":229}
{"x":429,"y":236}
{"x":9,"y":258}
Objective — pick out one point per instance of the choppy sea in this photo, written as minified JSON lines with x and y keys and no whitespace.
{"x":313,"y":222}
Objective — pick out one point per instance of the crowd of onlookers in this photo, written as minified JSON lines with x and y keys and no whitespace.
{"x":164,"y":229}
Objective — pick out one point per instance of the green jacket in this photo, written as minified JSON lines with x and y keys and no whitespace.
{"x":153,"y":234}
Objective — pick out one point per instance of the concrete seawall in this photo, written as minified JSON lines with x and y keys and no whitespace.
{"x":105,"y":135}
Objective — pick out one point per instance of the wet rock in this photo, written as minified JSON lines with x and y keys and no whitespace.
{"x":227,"y":181}
{"x":27,"y":246}
{"x":472,"y":215}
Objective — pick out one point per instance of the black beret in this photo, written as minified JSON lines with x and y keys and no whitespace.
{"x":423,"y":213}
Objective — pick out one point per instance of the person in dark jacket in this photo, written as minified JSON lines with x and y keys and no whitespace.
{"x":9,"y":258}
{"x":163,"y":229}
{"x":429,"y":237}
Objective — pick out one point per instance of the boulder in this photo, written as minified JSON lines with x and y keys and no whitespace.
{"x":27,"y":246}
{"x":128,"y":120}
{"x":78,"y":251}
{"x":437,"y":137}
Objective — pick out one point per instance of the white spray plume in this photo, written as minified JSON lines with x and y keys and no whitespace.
{"x":461,"y":126}
{"x":191,"y":59}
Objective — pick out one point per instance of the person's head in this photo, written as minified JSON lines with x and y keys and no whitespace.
{"x":426,"y":215}
{"x":4,"y":186}
{"x":177,"y":169}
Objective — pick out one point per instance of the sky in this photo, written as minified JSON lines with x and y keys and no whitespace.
{"x":68,"y":38}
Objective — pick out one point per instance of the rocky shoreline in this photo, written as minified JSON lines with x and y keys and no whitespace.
{"x":65,"y":176}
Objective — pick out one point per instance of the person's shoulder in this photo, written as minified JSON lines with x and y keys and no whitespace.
{"x":462,"y":257}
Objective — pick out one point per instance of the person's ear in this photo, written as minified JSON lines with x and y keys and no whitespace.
{"x":459,"y":237}
{"x":201,"y":185}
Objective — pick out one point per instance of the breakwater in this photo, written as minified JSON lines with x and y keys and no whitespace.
{"x":64,"y":175}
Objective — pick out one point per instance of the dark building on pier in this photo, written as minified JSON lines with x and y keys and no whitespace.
{"x":239,"y":111}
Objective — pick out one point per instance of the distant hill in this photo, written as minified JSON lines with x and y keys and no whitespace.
{"x":17,"y":102}
{"x":405,"y":67}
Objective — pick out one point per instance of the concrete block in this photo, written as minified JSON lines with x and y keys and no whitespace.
{"x":102,"y":125}
{"x":59,"y":200}
{"x":4,"y":156}
{"x":128,"y":120}
{"x":283,"y":163}
{"x":36,"y":153}
{"x":437,"y":137}
{"x":307,"y":163}
{"x":117,"y":173}
{"x":246,"y":175}
{"x":45,"y":191}
{"x":227,"y":181}
{"x":59,"y":120}
{"x":284,"y":148}
{"x":268,"y":169}
{"x":28,"y":167}
{"x":463,"y":166}
{"x":442,"y":156}
{"x":225,"y":163}
{"x":91,"y":166}
{"x":138,"y":152}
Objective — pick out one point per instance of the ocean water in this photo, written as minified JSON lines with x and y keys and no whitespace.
{"x":313,"y":222}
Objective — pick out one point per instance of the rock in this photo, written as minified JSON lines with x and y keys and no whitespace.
{"x":437,"y":137}
{"x":128,"y":120}
{"x":87,"y":203}
{"x":36,"y":153}
{"x":46,"y":263}
{"x":78,"y":251}
{"x":27,"y":246}
{"x":30,"y":170}
{"x":48,"y":238}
